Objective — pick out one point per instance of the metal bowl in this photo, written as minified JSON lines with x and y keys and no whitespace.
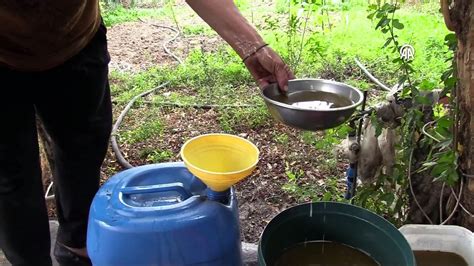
{"x":311,"y":119}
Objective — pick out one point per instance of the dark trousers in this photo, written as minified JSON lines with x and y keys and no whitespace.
{"x":73,"y":101}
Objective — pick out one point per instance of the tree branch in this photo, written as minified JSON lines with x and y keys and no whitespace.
{"x":447,"y":17}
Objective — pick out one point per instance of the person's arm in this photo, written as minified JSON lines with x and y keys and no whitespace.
{"x":223,"y":16}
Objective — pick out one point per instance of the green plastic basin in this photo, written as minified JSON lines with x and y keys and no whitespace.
{"x":337,"y":222}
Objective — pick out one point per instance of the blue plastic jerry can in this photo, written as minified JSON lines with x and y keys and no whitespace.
{"x":161,"y":215}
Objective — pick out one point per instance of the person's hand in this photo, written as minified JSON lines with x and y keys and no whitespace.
{"x":266,"y":66}
{"x":263,"y":63}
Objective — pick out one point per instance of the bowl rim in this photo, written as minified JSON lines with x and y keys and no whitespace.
{"x":287,"y":106}
{"x":188,"y":164}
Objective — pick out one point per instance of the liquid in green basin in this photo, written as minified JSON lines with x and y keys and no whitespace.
{"x":324,"y":253}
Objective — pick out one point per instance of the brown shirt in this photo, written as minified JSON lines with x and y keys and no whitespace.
{"x":38,"y":35}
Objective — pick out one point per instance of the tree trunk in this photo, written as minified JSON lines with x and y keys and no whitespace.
{"x":460,"y":18}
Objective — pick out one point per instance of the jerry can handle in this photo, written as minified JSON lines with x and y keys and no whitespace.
{"x":177,"y":186}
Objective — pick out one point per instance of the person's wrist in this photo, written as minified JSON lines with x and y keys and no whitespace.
{"x":248,"y":47}
{"x":253,"y":53}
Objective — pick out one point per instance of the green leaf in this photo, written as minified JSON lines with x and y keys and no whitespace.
{"x":327,"y":196}
{"x":437,"y":170}
{"x":449,"y":176}
{"x":453,"y":178}
{"x":398,"y":205}
{"x":363,"y":196}
{"x":386,"y":7}
{"x":450,"y":82}
{"x":396,"y":174}
{"x":451,"y":41}
{"x":445,"y":132}
{"x":445,"y":122}
{"x":397,"y":60}
{"x":448,"y":73}
{"x":423,"y":100}
{"x":387,"y":42}
{"x":409,"y":67}
{"x":373,"y":7}
{"x":429,"y":164}
{"x":447,"y":158}
{"x":443,"y":145}
{"x":427,"y":85}
{"x":451,"y":37}
{"x":397,"y":24}
{"x":376,"y":125}
{"x":382,"y":23}
{"x":388,"y":198}
{"x":392,"y":9}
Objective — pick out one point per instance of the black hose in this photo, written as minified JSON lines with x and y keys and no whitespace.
{"x":115,"y":147}
{"x":198,"y":106}
{"x":174,"y":38}
{"x":359,"y":135}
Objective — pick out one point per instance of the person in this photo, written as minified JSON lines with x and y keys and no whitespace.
{"x":53,"y":65}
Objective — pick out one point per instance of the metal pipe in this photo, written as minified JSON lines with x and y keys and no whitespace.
{"x":359,"y":134}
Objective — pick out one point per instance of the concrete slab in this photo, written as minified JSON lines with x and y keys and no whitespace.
{"x":250,"y":254}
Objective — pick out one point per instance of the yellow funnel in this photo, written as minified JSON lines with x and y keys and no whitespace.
{"x":220,"y":160}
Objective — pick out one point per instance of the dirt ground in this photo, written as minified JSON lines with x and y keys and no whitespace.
{"x":136,"y":46}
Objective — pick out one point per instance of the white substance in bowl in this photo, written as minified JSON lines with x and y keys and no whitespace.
{"x":314,"y":105}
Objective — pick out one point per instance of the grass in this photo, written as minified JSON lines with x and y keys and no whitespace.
{"x":196,"y":30}
{"x":175,"y":97}
{"x":143,"y":132}
{"x":156,"y":156}
{"x":330,"y":190}
{"x":140,"y":130}
{"x":116,"y":14}
{"x":239,"y":119}
{"x":281,"y":138}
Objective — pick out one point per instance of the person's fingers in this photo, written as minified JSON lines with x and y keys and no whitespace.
{"x":267,"y":67}
{"x":256,"y":69}
{"x":282,"y":75}
{"x":265,"y":81}
{"x":262,"y":83}
{"x":273,"y":63}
